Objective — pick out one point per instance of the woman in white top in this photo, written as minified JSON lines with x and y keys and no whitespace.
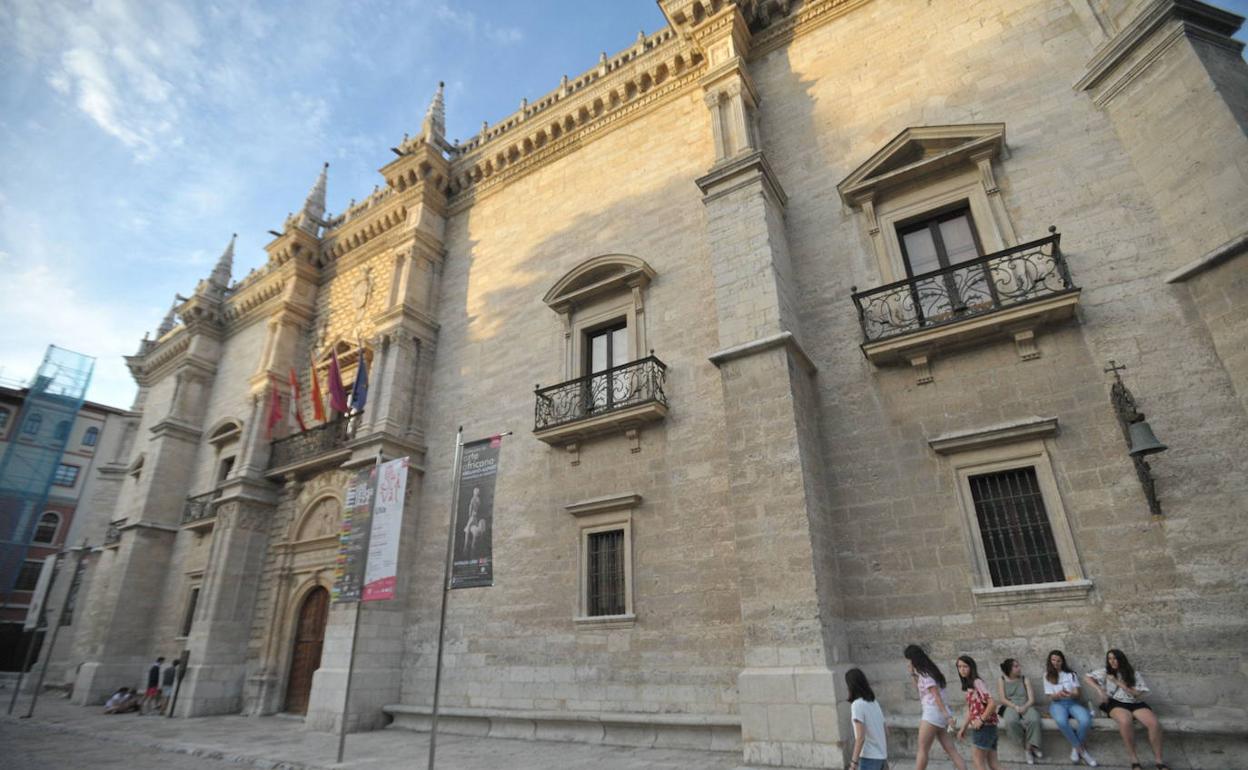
{"x":870,"y":748}
{"x":934,"y":723}
{"x":1121,"y":690}
{"x":1062,"y":687}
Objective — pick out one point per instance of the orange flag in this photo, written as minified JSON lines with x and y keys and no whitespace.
{"x":294,"y":399}
{"x":318,"y":406}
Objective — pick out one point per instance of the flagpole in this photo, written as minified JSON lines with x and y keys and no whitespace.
{"x":355,"y":638}
{"x":446,"y":586}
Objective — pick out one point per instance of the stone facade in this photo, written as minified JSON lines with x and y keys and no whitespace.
{"x":798,"y":497}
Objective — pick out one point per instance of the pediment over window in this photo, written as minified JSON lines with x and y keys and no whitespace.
{"x":348,"y":355}
{"x":919,"y":151}
{"x":594,"y":277}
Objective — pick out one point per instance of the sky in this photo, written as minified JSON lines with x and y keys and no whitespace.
{"x":136,"y":136}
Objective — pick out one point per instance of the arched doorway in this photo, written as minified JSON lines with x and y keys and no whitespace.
{"x":306,"y":657}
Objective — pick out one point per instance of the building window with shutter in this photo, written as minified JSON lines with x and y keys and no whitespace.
{"x":188,"y":619}
{"x":28,"y":576}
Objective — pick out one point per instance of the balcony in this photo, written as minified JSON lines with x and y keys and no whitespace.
{"x":619,"y":399}
{"x":312,"y":446}
{"x":199,"y":512}
{"x":1006,"y":293}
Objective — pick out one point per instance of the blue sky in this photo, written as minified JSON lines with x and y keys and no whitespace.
{"x":136,"y":136}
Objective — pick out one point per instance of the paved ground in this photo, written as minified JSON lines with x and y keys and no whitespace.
{"x":66,"y":737}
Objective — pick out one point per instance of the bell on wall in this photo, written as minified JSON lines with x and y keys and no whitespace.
{"x":1143,"y":442}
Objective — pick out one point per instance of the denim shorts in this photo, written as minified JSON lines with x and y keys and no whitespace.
{"x":985,"y":738}
{"x":866,"y":763}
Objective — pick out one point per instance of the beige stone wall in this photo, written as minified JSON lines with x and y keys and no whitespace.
{"x":1220,"y":297}
{"x":515,"y":645}
{"x":901,"y":548}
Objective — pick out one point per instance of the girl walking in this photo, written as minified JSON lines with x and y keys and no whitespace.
{"x":934,"y":724}
{"x":870,"y":749}
{"x":1121,"y":688}
{"x":1020,"y":717}
{"x":1062,"y":687}
{"x":981,"y":715}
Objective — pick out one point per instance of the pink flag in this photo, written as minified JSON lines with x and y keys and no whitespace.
{"x":337,"y":393}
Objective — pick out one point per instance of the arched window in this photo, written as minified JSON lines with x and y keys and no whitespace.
{"x":62,"y":431}
{"x":49,"y":523}
{"x":91,"y":437}
{"x":31,"y":428}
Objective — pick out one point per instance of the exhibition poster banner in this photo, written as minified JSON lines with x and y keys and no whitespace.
{"x":381,"y":576}
{"x":34,"y":612}
{"x":353,"y":538}
{"x":472,"y":564}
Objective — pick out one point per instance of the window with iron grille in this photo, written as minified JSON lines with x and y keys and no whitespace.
{"x":1014,"y":526}
{"x":605,"y":579}
{"x":28,"y":576}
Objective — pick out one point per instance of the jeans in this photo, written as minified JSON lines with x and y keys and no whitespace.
{"x":1062,"y":711}
{"x":865,"y":763}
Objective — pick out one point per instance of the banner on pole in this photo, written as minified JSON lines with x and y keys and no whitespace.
{"x":34,"y":612}
{"x":473,"y":562}
{"x":381,"y":576}
{"x":353,"y":538}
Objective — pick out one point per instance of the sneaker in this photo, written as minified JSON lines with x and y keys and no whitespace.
{"x":1031,"y":760}
{"x":1087,"y":758}
{"x":1074,"y":756}
{"x":1038,"y":753}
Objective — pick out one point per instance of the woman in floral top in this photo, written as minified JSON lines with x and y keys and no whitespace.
{"x":981,"y":715}
{"x":934,"y":723}
{"x":1122,"y":690}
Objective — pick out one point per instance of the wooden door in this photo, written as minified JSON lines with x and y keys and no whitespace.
{"x":306,"y":658}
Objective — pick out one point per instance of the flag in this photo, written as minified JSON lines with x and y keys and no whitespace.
{"x":294,"y":399}
{"x":359,"y":391}
{"x":318,"y":405}
{"x":337,"y":394}
{"x":275,"y":410}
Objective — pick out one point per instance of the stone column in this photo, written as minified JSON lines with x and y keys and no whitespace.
{"x":127,"y":592}
{"x":788,"y":692}
{"x":219,"y":636}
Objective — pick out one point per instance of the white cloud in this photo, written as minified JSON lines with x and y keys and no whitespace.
{"x":467,"y":22}
{"x":42,"y":307}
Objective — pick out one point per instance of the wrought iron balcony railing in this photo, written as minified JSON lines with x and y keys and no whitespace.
{"x":1005,"y":279}
{"x":620,"y":387}
{"x":199,"y":508}
{"x":310,"y":443}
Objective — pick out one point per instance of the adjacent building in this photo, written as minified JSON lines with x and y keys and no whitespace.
{"x":79,"y":505}
{"x":822,"y":327}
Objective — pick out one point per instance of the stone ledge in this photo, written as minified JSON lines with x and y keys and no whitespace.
{"x":1237,"y":246}
{"x":1069,"y":590}
{"x":1100,"y":723}
{"x":705,"y":732}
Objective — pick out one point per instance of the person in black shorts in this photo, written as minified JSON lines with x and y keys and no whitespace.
{"x":1121,"y":690}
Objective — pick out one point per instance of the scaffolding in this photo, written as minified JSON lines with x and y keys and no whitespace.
{"x":32,"y":456}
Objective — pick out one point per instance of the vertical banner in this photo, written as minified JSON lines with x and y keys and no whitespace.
{"x":34,"y":612}
{"x":381,"y":576}
{"x":472,"y":564}
{"x":353,"y":538}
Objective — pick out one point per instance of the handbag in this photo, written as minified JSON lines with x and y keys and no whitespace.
{"x":1000,"y":711}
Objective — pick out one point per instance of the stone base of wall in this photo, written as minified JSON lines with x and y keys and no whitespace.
{"x":1209,"y":745}
{"x":666,"y":731}
{"x":96,"y":681}
{"x":209,"y":690}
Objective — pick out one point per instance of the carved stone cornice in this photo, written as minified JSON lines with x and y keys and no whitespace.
{"x":740,"y":172}
{"x":811,"y":15}
{"x":617,"y":92}
{"x":176,"y":429}
{"x":1139,"y":44}
{"x":354,"y":233}
{"x":403,"y":317}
